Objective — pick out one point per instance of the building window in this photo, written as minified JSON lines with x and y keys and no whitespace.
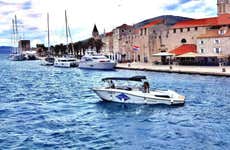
{"x":141,"y":31}
{"x":145,"y":31}
{"x":217,"y":41}
{"x":122,"y":30}
{"x":201,"y":42}
{"x":181,"y":30}
{"x":222,"y":32}
{"x":183,"y":41}
{"x":188,"y":29}
{"x":196,"y":28}
{"x":174,"y":30}
{"x":201,"y":50}
{"x":217,"y":50}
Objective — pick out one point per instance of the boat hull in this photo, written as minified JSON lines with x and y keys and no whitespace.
{"x":97,"y":65}
{"x":137,"y":97}
{"x":48,"y":61}
{"x":17,"y":57}
{"x":65,"y":64}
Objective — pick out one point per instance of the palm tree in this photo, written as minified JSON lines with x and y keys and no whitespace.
{"x":98,"y":44}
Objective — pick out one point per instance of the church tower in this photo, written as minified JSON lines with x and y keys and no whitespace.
{"x":223,"y":7}
{"x":95,"y":32}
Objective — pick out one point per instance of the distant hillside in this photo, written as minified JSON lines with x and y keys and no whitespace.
{"x":5,"y":49}
{"x":169,"y":20}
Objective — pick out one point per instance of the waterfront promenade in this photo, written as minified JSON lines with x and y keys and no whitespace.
{"x":202,"y":70}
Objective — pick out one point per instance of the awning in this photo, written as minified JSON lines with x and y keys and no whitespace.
{"x":188,"y":55}
{"x":162,"y":54}
{"x":183,"y":49}
{"x":197,"y":55}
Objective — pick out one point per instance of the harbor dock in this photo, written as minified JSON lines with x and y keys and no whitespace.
{"x":201,"y":70}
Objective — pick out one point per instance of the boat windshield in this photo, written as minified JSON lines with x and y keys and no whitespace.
{"x":128,"y":85}
{"x":99,"y":57}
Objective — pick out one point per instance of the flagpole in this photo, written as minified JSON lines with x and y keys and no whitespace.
{"x":134,"y":60}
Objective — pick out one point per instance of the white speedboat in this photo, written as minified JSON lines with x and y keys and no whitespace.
{"x":65,"y":62}
{"x":96,"y":61}
{"x":137,"y":95}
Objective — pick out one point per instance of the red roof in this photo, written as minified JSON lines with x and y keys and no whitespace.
{"x":109,"y":34}
{"x":124,"y":26}
{"x":214,"y":21}
{"x":186,"y":48}
{"x":153,"y":23}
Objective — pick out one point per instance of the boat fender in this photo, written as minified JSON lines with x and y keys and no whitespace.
{"x":172,"y":101}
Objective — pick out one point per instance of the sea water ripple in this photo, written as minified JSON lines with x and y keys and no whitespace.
{"x":49,"y":108}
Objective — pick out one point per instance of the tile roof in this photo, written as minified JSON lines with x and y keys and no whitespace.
{"x":109,"y":34}
{"x":185,"y":48}
{"x":214,"y":21}
{"x":124,"y":26}
{"x":153,"y":23}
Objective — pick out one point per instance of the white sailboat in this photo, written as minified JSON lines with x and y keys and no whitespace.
{"x":135,"y":94}
{"x":69,"y":60}
{"x":16,"y":54}
{"x":49,"y":60}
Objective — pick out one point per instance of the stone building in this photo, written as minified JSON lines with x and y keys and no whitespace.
{"x":107,"y":49}
{"x":166,"y":33}
{"x":24,"y":45}
{"x":223,"y":7}
{"x":120,"y":42}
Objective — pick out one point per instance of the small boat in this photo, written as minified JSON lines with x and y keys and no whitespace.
{"x":30,"y":55}
{"x":17,"y":57}
{"x":137,"y":94}
{"x":65,"y":62}
{"x":48,"y":61}
{"x":96,"y":61}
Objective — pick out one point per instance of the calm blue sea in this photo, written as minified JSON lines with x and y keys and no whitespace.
{"x":53,"y":108}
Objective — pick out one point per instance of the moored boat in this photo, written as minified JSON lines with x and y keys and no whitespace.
{"x":48,"y":61}
{"x":65,"y":62}
{"x":96,"y":61}
{"x":137,"y":95}
{"x":17,"y":57}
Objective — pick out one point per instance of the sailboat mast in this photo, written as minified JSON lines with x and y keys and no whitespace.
{"x":16,"y":32}
{"x":48,"y":26}
{"x":13,"y":36}
{"x":66,"y":27}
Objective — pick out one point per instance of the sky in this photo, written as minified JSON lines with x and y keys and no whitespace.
{"x":83,"y":14}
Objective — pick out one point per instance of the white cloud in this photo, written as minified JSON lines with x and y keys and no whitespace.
{"x":83,"y":14}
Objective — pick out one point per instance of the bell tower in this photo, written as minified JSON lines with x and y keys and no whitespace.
{"x":223,"y":7}
{"x":95,"y":32}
